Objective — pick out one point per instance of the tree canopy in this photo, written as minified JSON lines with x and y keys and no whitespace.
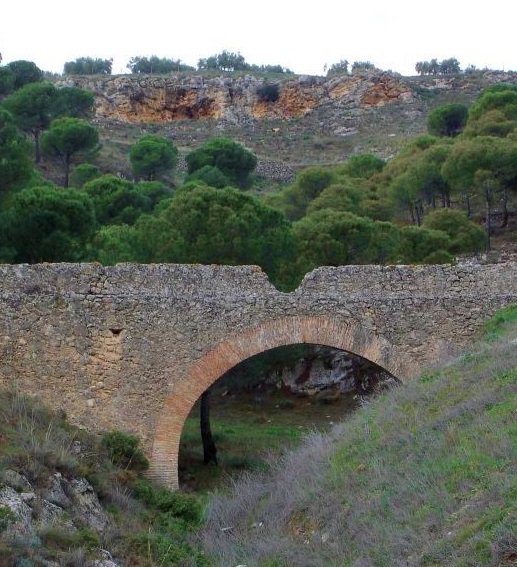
{"x":15,"y":163}
{"x":434,"y":67}
{"x":67,"y":137}
{"x":207,"y":225}
{"x":230,"y":157}
{"x":32,"y":107}
{"x":156,"y":65}
{"x":152,"y":156}
{"x":88,"y":66}
{"x":75,"y":102}
{"x":228,"y":61}
{"x":447,"y":120}
{"x":24,"y":72}
{"x":46,"y":224}
{"x":118,"y":201}
{"x":333,"y":238}
{"x":339,"y":68}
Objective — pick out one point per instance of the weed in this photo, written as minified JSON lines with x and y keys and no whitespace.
{"x":176,"y":504}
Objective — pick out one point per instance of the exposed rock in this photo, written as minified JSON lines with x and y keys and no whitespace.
{"x":55,"y":492}
{"x":234,"y":99}
{"x":23,"y":525}
{"x":106,"y":560}
{"x":47,"y":515}
{"x":86,"y":506}
{"x":17,"y":481}
{"x":331,"y":372}
{"x":67,"y":505}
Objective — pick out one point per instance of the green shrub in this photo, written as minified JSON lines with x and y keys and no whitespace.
{"x":465,"y":235}
{"x":210,"y":175}
{"x":83,"y":173}
{"x":439,"y":257}
{"x":124,"y":451}
{"x":177,"y":504}
{"x":59,"y":538}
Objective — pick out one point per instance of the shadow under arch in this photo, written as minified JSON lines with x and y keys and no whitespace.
{"x":330,"y":331}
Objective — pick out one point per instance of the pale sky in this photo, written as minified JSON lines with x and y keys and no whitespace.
{"x":302,"y":36}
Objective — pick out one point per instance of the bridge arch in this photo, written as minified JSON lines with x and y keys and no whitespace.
{"x":347,"y":335}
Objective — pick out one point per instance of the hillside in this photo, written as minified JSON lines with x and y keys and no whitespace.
{"x":424,"y":475}
{"x":288,"y":122}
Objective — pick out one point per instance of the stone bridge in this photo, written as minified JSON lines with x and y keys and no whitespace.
{"x":132,"y":347}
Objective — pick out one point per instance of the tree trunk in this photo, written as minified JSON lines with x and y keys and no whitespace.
{"x":411,"y":213}
{"x":209,"y":449}
{"x":37,"y":150}
{"x":67,"y":172}
{"x":466,"y":198}
{"x":488,"y":214}
{"x":504,"y":203}
{"x":360,"y":389}
{"x":418,"y":213}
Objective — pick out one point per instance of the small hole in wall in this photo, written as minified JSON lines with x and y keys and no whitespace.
{"x":115,"y":331}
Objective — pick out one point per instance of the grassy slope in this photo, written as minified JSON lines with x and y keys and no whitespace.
{"x":424,"y":475}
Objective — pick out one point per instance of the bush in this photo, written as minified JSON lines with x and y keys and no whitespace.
{"x":124,"y":451}
{"x":176,"y":504}
{"x":447,"y":120}
{"x":439,"y":257}
{"x":233,"y":159}
{"x":418,"y":243}
{"x":83,"y":173}
{"x":210,"y":175}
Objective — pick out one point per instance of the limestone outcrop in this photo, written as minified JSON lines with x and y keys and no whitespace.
{"x":61,"y":505}
{"x":237,"y":99}
{"x":148,"y":99}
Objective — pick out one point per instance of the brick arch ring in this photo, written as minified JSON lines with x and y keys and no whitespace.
{"x":345,"y":334}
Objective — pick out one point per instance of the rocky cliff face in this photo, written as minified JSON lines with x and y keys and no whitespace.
{"x":158,"y":99}
{"x":167,"y":99}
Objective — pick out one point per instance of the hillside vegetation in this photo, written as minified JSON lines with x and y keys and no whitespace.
{"x":209,"y":203}
{"x":424,"y":475}
{"x":72,"y":499}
